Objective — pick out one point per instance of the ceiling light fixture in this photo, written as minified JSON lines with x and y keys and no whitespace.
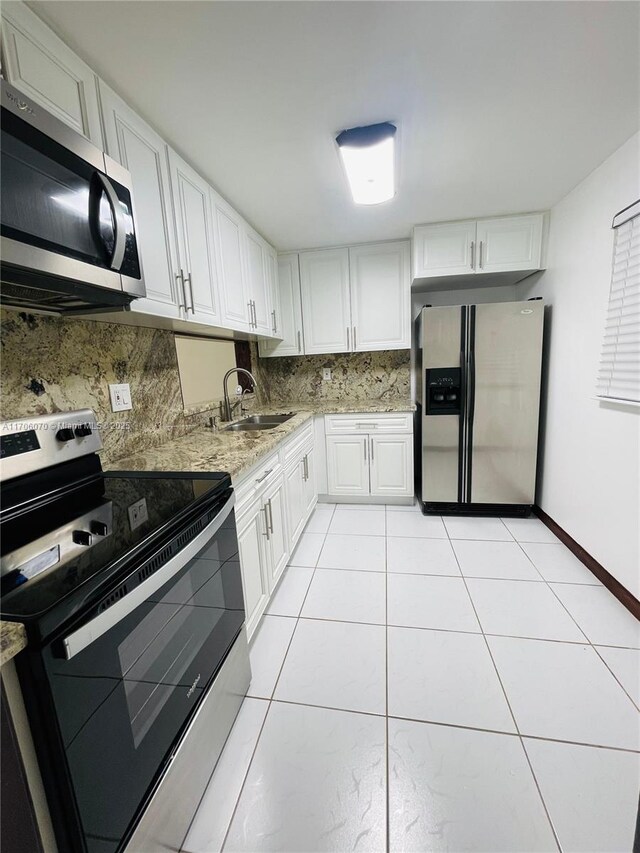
{"x":368,"y":155}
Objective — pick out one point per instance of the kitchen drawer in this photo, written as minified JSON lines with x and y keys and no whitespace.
{"x":256,"y":481}
{"x":397,"y":422}
{"x":301,"y":440}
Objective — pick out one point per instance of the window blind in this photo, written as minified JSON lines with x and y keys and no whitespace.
{"x":619,"y":375}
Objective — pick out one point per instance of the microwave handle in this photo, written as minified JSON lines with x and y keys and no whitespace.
{"x":108,"y":619}
{"x":120,"y":227}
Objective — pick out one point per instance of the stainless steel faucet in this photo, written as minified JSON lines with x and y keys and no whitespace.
{"x":227,"y":408}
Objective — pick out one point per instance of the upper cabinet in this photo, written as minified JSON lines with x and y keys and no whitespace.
{"x":197,"y":277}
{"x":231,"y":273}
{"x":508,"y":245}
{"x":326,"y":304}
{"x":380,"y":296}
{"x":288,"y":310}
{"x":351,"y":300}
{"x":138,"y":148}
{"x":258,"y":282}
{"x":39,"y":64}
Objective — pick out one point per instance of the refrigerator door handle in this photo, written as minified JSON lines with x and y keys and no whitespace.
{"x":462,"y":432}
{"x":471,"y":398}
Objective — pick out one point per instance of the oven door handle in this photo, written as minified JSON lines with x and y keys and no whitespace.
{"x":105,"y":621}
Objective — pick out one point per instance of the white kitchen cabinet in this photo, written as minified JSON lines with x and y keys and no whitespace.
{"x":277,"y":544}
{"x":41,"y":66}
{"x":192,"y":208}
{"x":230,"y":260}
{"x":274,"y":293}
{"x":309,"y":486}
{"x":510,"y":243}
{"x":444,"y":249}
{"x":257,"y":282}
{"x":348,"y":465}
{"x":380,"y":280}
{"x":288,"y":310}
{"x":138,"y":148}
{"x":364,"y":458}
{"x":326,"y":307}
{"x":391,"y":465}
{"x":295,"y":491}
{"x":252,"y":541}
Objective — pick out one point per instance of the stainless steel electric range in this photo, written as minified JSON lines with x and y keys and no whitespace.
{"x":130,"y":589}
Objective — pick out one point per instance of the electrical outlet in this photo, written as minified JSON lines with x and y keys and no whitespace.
{"x":138,"y":514}
{"x":120,"y":397}
{"x":326,"y":374}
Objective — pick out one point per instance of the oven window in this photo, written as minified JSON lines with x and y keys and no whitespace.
{"x":123,"y":701}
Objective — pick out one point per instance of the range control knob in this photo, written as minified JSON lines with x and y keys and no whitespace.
{"x":65,"y":434}
{"x":82,"y":430}
{"x":99,"y":528}
{"x":82,"y":537}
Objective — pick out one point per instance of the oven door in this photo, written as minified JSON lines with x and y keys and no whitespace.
{"x":66,"y":213}
{"x":136,"y":673}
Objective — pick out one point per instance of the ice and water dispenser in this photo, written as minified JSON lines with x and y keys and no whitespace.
{"x":443,"y":390}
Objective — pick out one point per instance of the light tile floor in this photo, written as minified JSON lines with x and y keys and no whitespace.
{"x":427,"y":685}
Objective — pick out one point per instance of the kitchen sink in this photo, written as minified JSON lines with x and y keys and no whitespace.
{"x":258,"y":422}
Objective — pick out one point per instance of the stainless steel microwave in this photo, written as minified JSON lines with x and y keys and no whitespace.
{"x":69,"y":241}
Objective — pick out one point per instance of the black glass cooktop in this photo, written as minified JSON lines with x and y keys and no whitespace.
{"x":69,"y":544}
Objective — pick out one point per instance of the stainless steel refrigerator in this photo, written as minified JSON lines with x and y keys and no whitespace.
{"x":478,"y":401}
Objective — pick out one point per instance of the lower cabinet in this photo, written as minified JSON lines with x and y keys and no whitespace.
{"x":254,"y":564}
{"x":366,"y":464}
{"x":273,"y":505}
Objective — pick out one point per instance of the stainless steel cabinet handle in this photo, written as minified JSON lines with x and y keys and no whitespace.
{"x":265,"y":475}
{"x":250,"y":313}
{"x":365,"y":449}
{"x":305,"y":465}
{"x":105,"y":621}
{"x":187,"y":278}
{"x":180,"y":278}
{"x":270,"y":515}
{"x":255,"y":314}
{"x":348,"y":347}
{"x":473,"y":252}
{"x":266,"y":521}
{"x":299,"y":341}
{"x":275,"y":325}
{"x":120,"y":236}
{"x":480,"y":255}
{"x":354,"y":338}
{"x":372,"y":450}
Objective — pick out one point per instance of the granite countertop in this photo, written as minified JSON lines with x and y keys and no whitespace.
{"x":13,"y":639}
{"x":236,"y":452}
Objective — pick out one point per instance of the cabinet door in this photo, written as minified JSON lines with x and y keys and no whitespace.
{"x":391,"y":465}
{"x":289,"y":314}
{"x":195,"y":240}
{"x":256,"y":257}
{"x":231,"y":271}
{"x":310,"y":490}
{"x":274,"y":294}
{"x":348,"y":464}
{"x":39,"y":64}
{"x":278,"y":540}
{"x":510,"y":243}
{"x":326,"y":310}
{"x":445,"y":249}
{"x":253,"y":564}
{"x":294,"y":489}
{"x":380,"y":296}
{"x":139,"y":149}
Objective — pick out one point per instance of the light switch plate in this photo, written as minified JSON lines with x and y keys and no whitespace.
{"x":326,"y":374}
{"x":120,"y":397}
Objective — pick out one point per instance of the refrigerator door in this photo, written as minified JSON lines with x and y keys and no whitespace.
{"x":442,"y":366}
{"x":505,"y":355}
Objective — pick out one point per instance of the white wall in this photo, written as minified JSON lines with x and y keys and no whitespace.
{"x":589,"y":472}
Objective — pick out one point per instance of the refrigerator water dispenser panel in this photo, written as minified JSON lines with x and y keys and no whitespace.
{"x":443,"y":391}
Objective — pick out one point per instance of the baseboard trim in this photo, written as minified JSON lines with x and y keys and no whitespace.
{"x":614,"y":586}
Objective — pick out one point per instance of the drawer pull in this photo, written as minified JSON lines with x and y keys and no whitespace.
{"x":264,"y":476}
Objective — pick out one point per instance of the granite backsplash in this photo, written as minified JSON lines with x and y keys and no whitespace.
{"x":355,"y":376}
{"x":54,"y":364}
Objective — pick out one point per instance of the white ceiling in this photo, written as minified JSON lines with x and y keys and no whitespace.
{"x":502,"y":106}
